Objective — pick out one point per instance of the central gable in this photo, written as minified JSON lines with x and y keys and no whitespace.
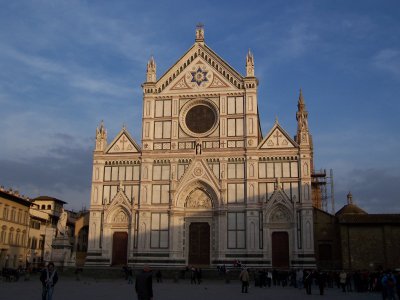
{"x":198,"y":69}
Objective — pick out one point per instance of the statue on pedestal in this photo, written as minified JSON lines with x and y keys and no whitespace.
{"x":62,"y":229}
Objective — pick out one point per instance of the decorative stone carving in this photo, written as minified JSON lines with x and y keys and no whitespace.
{"x":198,"y":199}
{"x":120,"y":217}
{"x":279,"y":216}
{"x":199,"y":76}
{"x":218,"y":83}
{"x":198,"y":171}
{"x":181,"y":85}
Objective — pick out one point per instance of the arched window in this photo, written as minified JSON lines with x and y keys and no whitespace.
{"x":11,"y":236}
{"x":43,"y":206}
{"x":18,"y":238}
{"x":19,"y":216}
{"x":5,"y":212}
{"x":49,"y":207}
{"x":3,"y":234}
{"x":23,"y":242}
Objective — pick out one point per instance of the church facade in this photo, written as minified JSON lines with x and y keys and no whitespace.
{"x":205,"y":187}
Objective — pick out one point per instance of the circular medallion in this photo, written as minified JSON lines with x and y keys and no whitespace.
{"x":198,"y":171}
{"x":199,"y":118}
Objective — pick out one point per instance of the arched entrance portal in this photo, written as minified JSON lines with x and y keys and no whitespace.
{"x":198,"y":199}
{"x":280,"y":250}
{"x":199,"y":243}
{"x":120,"y":248}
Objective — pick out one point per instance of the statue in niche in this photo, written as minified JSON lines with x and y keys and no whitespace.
{"x":198,"y":148}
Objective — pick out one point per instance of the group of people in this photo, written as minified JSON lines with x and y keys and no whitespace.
{"x":388,"y":283}
{"x":195,"y":275}
{"x":143,"y":284}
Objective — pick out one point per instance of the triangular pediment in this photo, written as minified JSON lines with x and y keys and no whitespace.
{"x":120,"y":199}
{"x":199,"y":69}
{"x":279,"y":196}
{"x":277,"y":138}
{"x":118,"y":210}
{"x":198,"y":171}
{"x":279,"y":208}
{"x":123,"y":143}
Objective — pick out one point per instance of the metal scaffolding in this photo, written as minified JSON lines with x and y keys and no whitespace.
{"x":323,"y":190}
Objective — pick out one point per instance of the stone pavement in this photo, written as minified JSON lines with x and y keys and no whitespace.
{"x":114,"y":289}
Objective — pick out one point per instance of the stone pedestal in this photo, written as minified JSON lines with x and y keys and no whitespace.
{"x":61,"y":252}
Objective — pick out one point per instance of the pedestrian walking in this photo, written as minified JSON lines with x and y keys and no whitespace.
{"x":308,"y":277}
{"x":321,"y":279}
{"x":244,"y":278}
{"x":193,"y":275}
{"x":299,"y":278}
{"x":144,"y":284}
{"x":130,"y":275}
{"x":198,"y":275}
{"x":389,"y":286}
{"x":49,"y":278}
{"x":269,"y":278}
{"x":343,"y":279}
{"x":159,"y":276}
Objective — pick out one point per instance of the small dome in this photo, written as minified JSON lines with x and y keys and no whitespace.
{"x":351,"y":209}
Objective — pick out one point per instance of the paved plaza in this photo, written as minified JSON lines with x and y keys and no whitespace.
{"x":114,"y":289}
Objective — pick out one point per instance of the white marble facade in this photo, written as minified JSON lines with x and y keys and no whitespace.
{"x":205,"y":187}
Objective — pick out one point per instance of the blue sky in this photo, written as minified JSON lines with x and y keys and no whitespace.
{"x":67,"y":65}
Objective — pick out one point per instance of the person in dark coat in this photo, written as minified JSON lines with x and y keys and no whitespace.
{"x":308,"y":277}
{"x":193,"y":275}
{"x":321,"y":279}
{"x":49,"y":278}
{"x":144,"y":284}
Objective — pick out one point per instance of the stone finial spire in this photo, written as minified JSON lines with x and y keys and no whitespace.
{"x":101,"y":137}
{"x":200,"y":32}
{"x":278,"y":184}
{"x":249,"y":64}
{"x":301,"y":105}
{"x":349,"y":198}
{"x":302,"y":121}
{"x":151,"y":70}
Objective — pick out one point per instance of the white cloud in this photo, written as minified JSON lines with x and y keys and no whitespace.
{"x":69,"y":73}
{"x":300,"y":37}
{"x":388,"y":60}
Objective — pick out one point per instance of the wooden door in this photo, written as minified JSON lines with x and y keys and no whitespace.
{"x":280,"y":250}
{"x":120,"y":248}
{"x":199,"y":244}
